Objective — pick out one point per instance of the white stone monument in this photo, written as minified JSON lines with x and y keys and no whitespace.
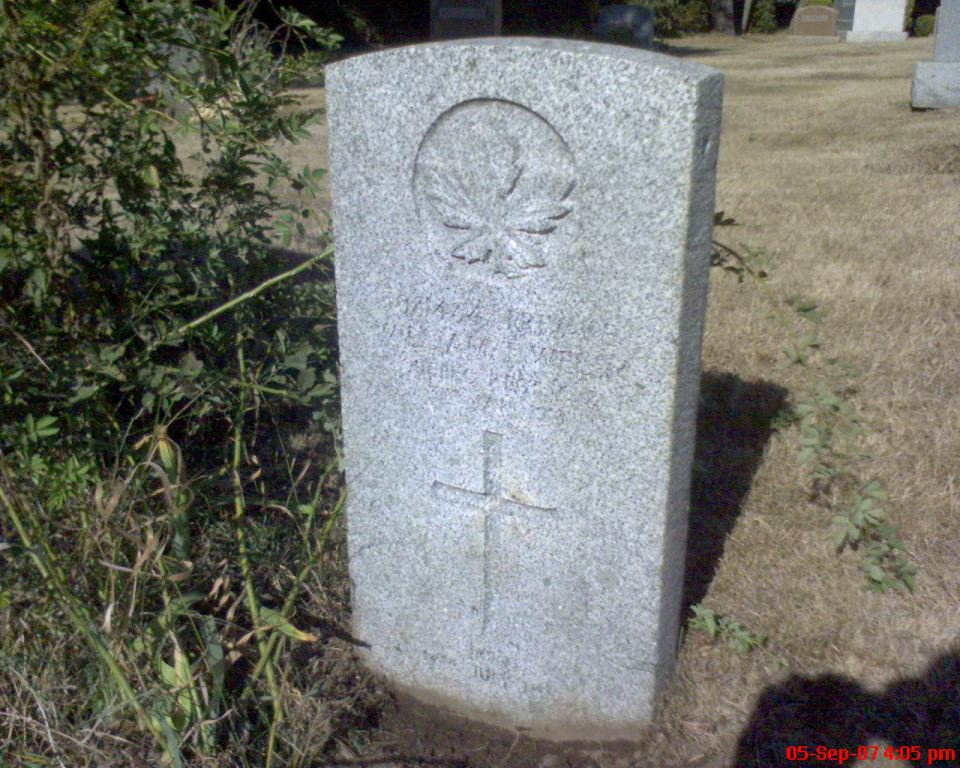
{"x":878,"y":21}
{"x":523,"y":242}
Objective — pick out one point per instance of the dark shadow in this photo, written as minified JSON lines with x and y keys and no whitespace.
{"x":733,"y":427}
{"x":682,"y":51}
{"x":919,"y":718}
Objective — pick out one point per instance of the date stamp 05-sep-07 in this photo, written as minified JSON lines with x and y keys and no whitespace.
{"x":801,"y":753}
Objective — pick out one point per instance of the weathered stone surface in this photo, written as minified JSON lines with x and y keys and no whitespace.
{"x":814,"y":20}
{"x":878,"y":21}
{"x":632,"y":24}
{"x":523,"y":234}
{"x":936,"y":85}
{"x":465,"y":18}
{"x":947,"y":46}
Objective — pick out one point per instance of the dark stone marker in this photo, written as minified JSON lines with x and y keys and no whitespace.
{"x":814,"y":20}
{"x":465,"y":18}
{"x":630,"y":24}
{"x":724,"y":16}
{"x":844,"y":14}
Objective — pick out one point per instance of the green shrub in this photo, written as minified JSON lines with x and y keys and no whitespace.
{"x":146,"y":377}
{"x":923,"y":25}
{"x":763,"y":17}
{"x":823,"y":3}
{"x":694,"y":17}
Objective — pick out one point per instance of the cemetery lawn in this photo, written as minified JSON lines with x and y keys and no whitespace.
{"x":856,"y":199}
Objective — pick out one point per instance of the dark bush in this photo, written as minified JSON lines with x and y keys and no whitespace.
{"x":923,"y":26}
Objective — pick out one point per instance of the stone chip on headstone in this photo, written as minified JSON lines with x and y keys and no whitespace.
{"x":936,"y":84}
{"x":523,"y":243}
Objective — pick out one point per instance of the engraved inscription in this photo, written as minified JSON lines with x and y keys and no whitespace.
{"x":491,"y":502}
{"x":484,"y":351}
{"x":495,"y":186}
{"x":495,"y":668}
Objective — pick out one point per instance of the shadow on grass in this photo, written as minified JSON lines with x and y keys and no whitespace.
{"x":918,"y":717}
{"x":683,"y":51}
{"x":733,"y":427}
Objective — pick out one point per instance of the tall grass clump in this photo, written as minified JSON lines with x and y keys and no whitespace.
{"x":159,"y":517}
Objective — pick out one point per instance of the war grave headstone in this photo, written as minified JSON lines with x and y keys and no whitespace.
{"x":465,"y":18}
{"x":523,"y":235}
{"x":878,"y":21}
{"x":936,"y":84}
{"x":845,"y":11}
{"x":628,"y":24}
{"x":814,"y":21}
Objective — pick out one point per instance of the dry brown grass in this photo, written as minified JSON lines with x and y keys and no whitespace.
{"x":857,"y":199}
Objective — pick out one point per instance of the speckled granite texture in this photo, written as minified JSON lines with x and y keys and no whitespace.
{"x":523,"y":234}
{"x":936,"y":84}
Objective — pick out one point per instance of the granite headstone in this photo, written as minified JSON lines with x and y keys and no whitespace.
{"x":878,"y":21}
{"x":845,"y":12}
{"x":936,"y":84}
{"x":465,"y":18}
{"x":523,"y":242}
{"x":814,"y":20}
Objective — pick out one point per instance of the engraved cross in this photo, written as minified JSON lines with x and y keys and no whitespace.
{"x":491,"y":502}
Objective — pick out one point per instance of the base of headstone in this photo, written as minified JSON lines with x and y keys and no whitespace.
{"x":448,"y":710}
{"x":876,"y":37}
{"x":418,"y":729}
{"x":936,"y":85}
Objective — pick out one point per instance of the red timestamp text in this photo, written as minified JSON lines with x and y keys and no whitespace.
{"x":923,"y":755}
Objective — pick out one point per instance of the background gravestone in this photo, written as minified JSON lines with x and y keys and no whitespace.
{"x":878,"y":21}
{"x":845,"y":10}
{"x":522,"y":267}
{"x":465,"y":18}
{"x":815,"y":21}
{"x":936,"y":84}
{"x":628,"y":24}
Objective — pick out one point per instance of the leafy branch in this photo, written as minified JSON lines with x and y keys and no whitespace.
{"x":730,"y":631}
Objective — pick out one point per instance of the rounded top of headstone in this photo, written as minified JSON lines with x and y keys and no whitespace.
{"x":568,"y":50}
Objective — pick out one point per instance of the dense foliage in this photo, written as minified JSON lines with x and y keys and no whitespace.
{"x":147,"y":381}
{"x":763,"y":17}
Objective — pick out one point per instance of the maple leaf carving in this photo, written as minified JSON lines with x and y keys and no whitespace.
{"x":498,"y":207}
